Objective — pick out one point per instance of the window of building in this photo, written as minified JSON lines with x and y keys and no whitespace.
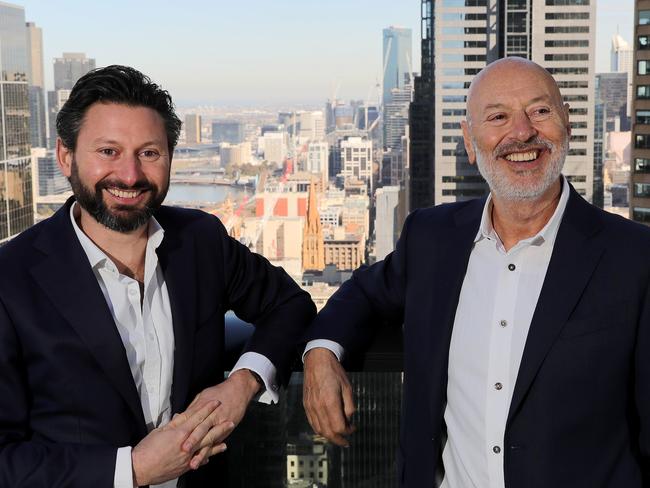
{"x":576,"y":178}
{"x":643,"y":117}
{"x":643,"y":91}
{"x":451,"y":125}
{"x":579,"y":138}
{"x":642,"y":190}
{"x":577,"y":111}
{"x":643,"y":42}
{"x":578,"y":125}
{"x":577,"y":152}
{"x":644,"y":17}
{"x":568,"y":71}
{"x":641,"y":165}
{"x":642,"y":141}
{"x":573,"y":84}
{"x":567,"y":15}
{"x":643,"y":66}
{"x":453,"y":112}
{"x":575,"y":98}
{"x":465,"y":3}
{"x":566,"y":57}
{"x":567,"y":29}
{"x":453,"y":99}
{"x":567,"y":2}
{"x":641,"y":214}
{"x":517,"y":43}
{"x":567,"y":43}
{"x":293,"y":463}
{"x":455,"y":85}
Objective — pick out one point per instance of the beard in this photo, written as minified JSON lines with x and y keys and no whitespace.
{"x":504,"y":185}
{"x":121,"y":218}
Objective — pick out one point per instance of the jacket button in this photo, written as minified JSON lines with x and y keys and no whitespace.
{"x":496,"y":449}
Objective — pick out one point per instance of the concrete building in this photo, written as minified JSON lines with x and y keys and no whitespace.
{"x":396,"y":116}
{"x":37,"y":111}
{"x":640,"y":154}
{"x":192,"y":129}
{"x":50,"y":179}
{"x":55,"y":100}
{"x":16,"y":191}
{"x":318,"y":159}
{"x":69,"y":68}
{"x":275,"y":147}
{"x":386,"y":220}
{"x":235,"y":154}
{"x":559,"y":35}
{"x":356,"y":159}
{"x":345,"y":253}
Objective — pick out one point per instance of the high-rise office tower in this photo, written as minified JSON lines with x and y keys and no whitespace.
{"x":397,"y":60}
{"x":69,"y":68}
{"x":192,"y":129}
{"x":16,"y":210}
{"x":557,"y":34}
{"x":231,"y":131}
{"x":36,"y":85}
{"x":396,"y":116}
{"x":621,"y":62}
{"x":640,"y":174}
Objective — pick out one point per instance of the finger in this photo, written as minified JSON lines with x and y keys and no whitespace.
{"x":199,"y":418}
{"x":348,"y":402}
{"x":194,"y":439}
{"x":217,"y":434}
{"x":202,"y":457}
{"x":198,"y":458}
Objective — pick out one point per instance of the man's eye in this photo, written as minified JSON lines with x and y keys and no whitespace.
{"x":108,"y":152}
{"x":497,"y":118}
{"x":150,"y":155}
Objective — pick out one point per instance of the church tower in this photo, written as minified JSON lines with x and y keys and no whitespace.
{"x":313,"y":245}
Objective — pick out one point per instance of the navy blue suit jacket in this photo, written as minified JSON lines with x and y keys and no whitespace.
{"x":580,"y":412}
{"x":67,"y":397}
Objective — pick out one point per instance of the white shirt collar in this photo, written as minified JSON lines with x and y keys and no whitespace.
{"x":548,"y":232}
{"x":96,"y":256}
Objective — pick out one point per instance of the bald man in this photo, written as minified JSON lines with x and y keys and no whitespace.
{"x":526,"y":317}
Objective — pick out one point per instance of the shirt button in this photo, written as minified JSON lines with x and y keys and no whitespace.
{"x":498,"y":386}
{"x":511,"y":267}
{"x":503,"y":323}
{"x":132,"y":291}
{"x":496,"y":449}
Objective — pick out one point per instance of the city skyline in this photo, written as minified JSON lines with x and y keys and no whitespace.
{"x":254,"y":53}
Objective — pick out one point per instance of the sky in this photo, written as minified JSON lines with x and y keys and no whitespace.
{"x":223,"y":52}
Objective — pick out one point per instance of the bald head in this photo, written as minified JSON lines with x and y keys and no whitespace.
{"x":508,"y":75}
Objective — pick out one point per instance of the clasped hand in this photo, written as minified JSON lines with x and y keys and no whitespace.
{"x":193,"y":436}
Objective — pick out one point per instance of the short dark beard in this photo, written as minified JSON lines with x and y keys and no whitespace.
{"x":131,"y":218}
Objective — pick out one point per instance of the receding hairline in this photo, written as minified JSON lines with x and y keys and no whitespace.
{"x":503,"y":63}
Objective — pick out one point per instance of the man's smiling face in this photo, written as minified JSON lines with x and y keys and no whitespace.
{"x":119,"y":171}
{"x":517,"y":129}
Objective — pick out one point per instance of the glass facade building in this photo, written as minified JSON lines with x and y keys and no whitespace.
{"x":16,"y":208}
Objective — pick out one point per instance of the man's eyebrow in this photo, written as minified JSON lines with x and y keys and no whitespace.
{"x":541,"y":98}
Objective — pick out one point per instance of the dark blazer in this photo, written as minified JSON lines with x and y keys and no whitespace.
{"x":67,"y":397}
{"x":580,"y":412}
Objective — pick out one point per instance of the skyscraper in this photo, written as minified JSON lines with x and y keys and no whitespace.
{"x":69,"y":68}
{"x":192,"y":129}
{"x":397,"y":60}
{"x":557,"y":34}
{"x":640,"y":174}
{"x":36,"y":85}
{"x":16,"y":210}
{"x":621,"y":62}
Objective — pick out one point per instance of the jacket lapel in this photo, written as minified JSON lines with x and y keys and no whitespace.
{"x":177,"y":258}
{"x":575,"y":256}
{"x":68,"y":280}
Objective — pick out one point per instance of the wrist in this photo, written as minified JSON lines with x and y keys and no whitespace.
{"x":251,"y":381}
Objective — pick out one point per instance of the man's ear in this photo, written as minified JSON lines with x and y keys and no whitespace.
{"x":467,"y":140}
{"x":64,"y":158}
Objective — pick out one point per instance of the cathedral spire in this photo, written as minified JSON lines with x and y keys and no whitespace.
{"x":313,"y":245}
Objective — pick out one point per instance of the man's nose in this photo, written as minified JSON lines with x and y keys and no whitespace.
{"x":129,"y":169}
{"x":522,"y":127}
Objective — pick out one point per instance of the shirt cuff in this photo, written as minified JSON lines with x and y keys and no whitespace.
{"x":335,"y":347}
{"x":123,"y":469}
{"x":265,"y":370}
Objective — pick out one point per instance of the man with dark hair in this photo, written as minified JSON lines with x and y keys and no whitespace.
{"x":112,"y":311}
{"x":526,"y":317}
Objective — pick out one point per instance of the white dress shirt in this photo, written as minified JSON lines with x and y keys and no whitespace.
{"x":145,"y":325}
{"x":495,"y":309}
{"x":497,"y":301}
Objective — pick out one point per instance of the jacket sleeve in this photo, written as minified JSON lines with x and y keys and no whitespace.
{"x":373,"y":294}
{"x":28,"y":460}
{"x":642,"y":387}
{"x":267,"y":297}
